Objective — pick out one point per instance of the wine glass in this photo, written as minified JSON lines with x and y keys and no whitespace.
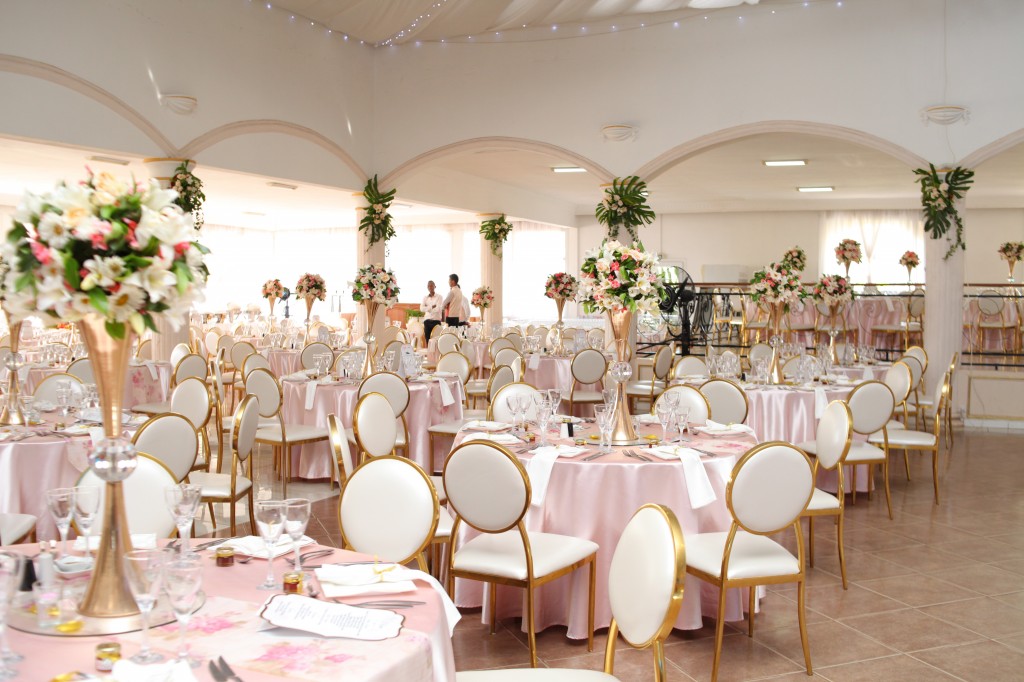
{"x":270,"y":522}
{"x":555,"y":396}
{"x":183,"y":503}
{"x":682,"y":421}
{"x":610,"y":396}
{"x":60,"y":502}
{"x":143,"y":569}
{"x":605,"y":416}
{"x":296,"y":516}
{"x":64,"y":397}
{"x":11,"y":566}
{"x":512,"y":401}
{"x":86,"y":503}
{"x":664,"y":412}
{"x":543,"y":418}
{"x":183,"y":578}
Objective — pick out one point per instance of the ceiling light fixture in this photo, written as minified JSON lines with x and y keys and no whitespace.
{"x":254,"y":213}
{"x":619,"y":132}
{"x":815,"y":189}
{"x":183,"y":105}
{"x":945,"y":114}
{"x":568,"y":169}
{"x":282,"y":185}
{"x":110,"y":159}
{"x":398,"y":205}
{"x":786,"y":162}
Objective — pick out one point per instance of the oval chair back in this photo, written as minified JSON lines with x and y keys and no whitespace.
{"x":486,"y":486}
{"x":225,"y":343}
{"x":374,"y":426}
{"x":498,"y":344}
{"x":506,"y":356}
{"x":916,"y":370}
{"x":239,"y":352}
{"x":191,"y":399}
{"x":921,"y":355}
{"x":394,"y":347}
{"x":690,"y":397}
{"x":143,"y":497}
{"x":211,"y":339}
{"x":759,"y":350}
{"x":264,"y":385}
{"x":192,"y":365}
{"x":456,"y":363}
{"x":342,"y":459}
{"x":770,"y":488}
{"x":834,"y":436}
{"x":898,"y":379}
{"x":81,"y":368}
{"x":172,"y":439}
{"x":447,"y":343}
{"x":915,"y":309}
{"x":388,"y":509}
{"x":244,"y":426}
{"x":498,"y":410}
{"x":517,"y":340}
{"x":543,"y":332}
{"x":47,"y":388}
{"x":690,"y":365}
{"x":727,"y":399}
{"x":254,"y":361}
{"x":391,"y":386}
{"x":663,"y":363}
{"x":595,"y":337}
{"x":178,"y":352}
{"x":145,"y":350}
{"x":872,"y":405}
{"x":588,"y":367}
{"x":503,"y":375}
{"x":306,"y":357}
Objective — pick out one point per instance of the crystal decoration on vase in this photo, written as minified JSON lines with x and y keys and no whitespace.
{"x":374,"y":286}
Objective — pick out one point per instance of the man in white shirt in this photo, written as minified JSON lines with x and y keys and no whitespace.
{"x":431,"y":308}
{"x":453,"y":305}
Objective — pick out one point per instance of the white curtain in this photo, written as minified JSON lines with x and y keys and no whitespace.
{"x":420,"y":253}
{"x":883,"y":235}
{"x":533,"y":251}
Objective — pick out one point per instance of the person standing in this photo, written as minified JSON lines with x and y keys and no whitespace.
{"x":431,"y":308}
{"x":453,"y":305}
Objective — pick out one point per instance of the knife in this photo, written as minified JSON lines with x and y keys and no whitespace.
{"x":216,"y":673}
{"x":212,"y":543}
{"x":226,"y":670}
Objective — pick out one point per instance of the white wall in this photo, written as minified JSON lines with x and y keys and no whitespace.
{"x":985,"y":230}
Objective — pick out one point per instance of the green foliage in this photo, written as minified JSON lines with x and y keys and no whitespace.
{"x":938,"y":201}
{"x":496,"y":231}
{"x":377,"y":223}
{"x":625,"y":205}
{"x":190,"y":193}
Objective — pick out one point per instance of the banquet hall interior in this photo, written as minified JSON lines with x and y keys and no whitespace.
{"x":701,"y":271}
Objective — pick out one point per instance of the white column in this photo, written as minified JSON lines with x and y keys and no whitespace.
{"x":491,"y":276}
{"x":943,"y":317}
{"x":368,"y":255}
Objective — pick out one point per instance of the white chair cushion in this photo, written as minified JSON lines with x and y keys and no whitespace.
{"x":644,"y":387}
{"x":809,"y":446}
{"x":152,"y":408}
{"x":444,"y":521}
{"x":821,"y":500}
{"x":438,"y":483}
{"x":502,"y":554}
{"x":296,"y":433}
{"x":476,"y":387}
{"x":228,"y":423}
{"x":585,"y":397}
{"x":14,"y":527}
{"x":530,"y":674}
{"x":219,"y":485}
{"x":351,"y":435}
{"x":893,"y":424}
{"x":448,"y":428}
{"x":906,"y":438}
{"x":862,"y":452}
{"x":753,"y":556}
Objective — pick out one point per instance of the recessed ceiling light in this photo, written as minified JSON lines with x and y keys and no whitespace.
{"x":398,"y":205}
{"x":568,"y":169}
{"x":282,"y":185}
{"x":110,"y":159}
{"x":789,"y":162}
{"x":815,"y":189}
{"x":256,"y":213}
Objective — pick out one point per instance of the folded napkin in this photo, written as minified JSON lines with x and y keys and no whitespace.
{"x":139,"y":541}
{"x":735,"y":428}
{"x":648,"y":419}
{"x":254,"y":546}
{"x":310,"y":395}
{"x":339,"y":580}
{"x":152,"y":369}
{"x":499,"y":438}
{"x":296,"y":376}
{"x":698,"y":485}
{"x":447,"y":375}
{"x":169,"y":671}
{"x":96,"y":435}
{"x":820,"y":402}
{"x":45,"y":406}
{"x":534,"y":361}
{"x":446,"y":392}
{"x":868,"y":374}
{"x":76,"y":430}
{"x":481,"y":425}
{"x":539,"y":468}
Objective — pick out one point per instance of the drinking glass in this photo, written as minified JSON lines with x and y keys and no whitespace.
{"x":543,"y":418}
{"x":64,"y":397}
{"x":664,"y":412}
{"x":61,"y":503}
{"x":27,"y":404}
{"x":144,"y":572}
{"x":270,"y":522}
{"x":682,"y":421}
{"x":183,"y":503}
{"x":11,"y":566}
{"x":86,"y":504}
{"x":512,"y":402}
{"x":555,"y":396}
{"x":183,"y":578}
{"x":605,"y":417}
{"x":610,"y":397}
{"x":296,"y":516}
{"x":672,"y":398}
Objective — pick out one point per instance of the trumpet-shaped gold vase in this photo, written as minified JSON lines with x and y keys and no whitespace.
{"x":622,"y":431}
{"x":12,"y":415}
{"x":775,"y":370}
{"x":368,"y":338}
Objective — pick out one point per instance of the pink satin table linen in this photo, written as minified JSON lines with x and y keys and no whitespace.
{"x":283,"y":362}
{"x":422,"y":652}
{"x":139,"y":386}
{"x":476,"y":351}
{"x":595,"y":500}
{"x":556,"y":372}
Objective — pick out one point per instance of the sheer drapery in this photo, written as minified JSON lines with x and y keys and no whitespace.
{"x":883,"y":235}
{"x":420,"y":253}
{"x":533,"y":251}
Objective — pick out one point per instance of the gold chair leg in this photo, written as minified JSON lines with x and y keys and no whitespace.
{"x":842,"y":552}
{"x":800,"y":605}
{"x":751,"y":594}
{"x":213,"y":517}
{"x":853,"y":492}
{"x":906,"y":463}
{"x":871,"y":481}
{"x":232,"y":508}
{"x":252,"y":514}
{"x":935,"y":471}
{"x":590,"y":604}
{"x":530,"y":632}
{"x":810,"y":539}
{"x":719,"y":633}
{"x":659,"y":661}
{"x":492,"y":588}
{"x":888,"y":494}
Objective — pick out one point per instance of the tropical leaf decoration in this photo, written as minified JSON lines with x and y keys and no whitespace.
{"x":190,"y":193}
{"x":939,"y":195}
{"x":496,"y":231}
{"x":625,"y":205}
{"x":376,"y":223}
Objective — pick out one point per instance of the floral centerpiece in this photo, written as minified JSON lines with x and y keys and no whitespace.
{"x":620,"y":280}
{"x":310,"y":288}
{"x":795,"y":258}
{"x":625,"y":205}
{"x":272,"y":290}
{"x":111,"y":256}
{"x":190,"y":192}
{"x":832,"y":290}
{"x":377,"y":222}
{"x":777,"y":284}
{"x":374,"y":286}
{"x":848,"y":252}
{"x":482,"y":298}
{"x":910,"y":260}
{"x":561,"y":287}
{"x":939,"y":196}
{"x":1012,"y":253}
{"x":496,"y":231}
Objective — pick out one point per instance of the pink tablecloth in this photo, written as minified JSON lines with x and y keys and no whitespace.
{"x":595,"y":500}
{"x":425,"y":409}
{"x":140,"y":386}
{"x":476,"y":351}
{"x":284,"y":362}
{"x":227,"y":625}
{"x":547,"y":371}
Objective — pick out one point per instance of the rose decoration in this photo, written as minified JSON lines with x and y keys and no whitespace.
{"x":795,"y":258}
{"x":561,"y":286}
{"x":776,"y":283}
{"x":311,"y":287}
{"x":848,"y":252}
{"x":910,"y":260}
{"x":616,"y":277}
{"x":832,"y":290}
{"x":482,"y":297}
{"x":375,"y":284}
{"x":273,"y":288}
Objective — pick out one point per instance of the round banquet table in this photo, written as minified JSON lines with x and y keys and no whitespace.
{"x":148,"y":382}
{"x":476,"y":351}
{"x":550,"y":371}
{"x":228,"y":625}
{"x":425,"y":409}
{"x":283,"y":361}
{"x":595,"y":500}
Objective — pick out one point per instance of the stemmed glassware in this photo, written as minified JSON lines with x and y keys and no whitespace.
{"x":270,"y":522}
{"x":183,"y":503}
{"x":512,"y":401}
{"x":665,"y":413}
{"x":183,"y":579}
{"x":64,"y":397}
{"x":144,"y":571}
{"x":543,"y":418}
{"x":11,"y":566}
{"x":85,"y":506}
{"x":61,"y":503}
{"x":605,"y":417}
{"x":296,"y":517}
{"x":682,"y":421}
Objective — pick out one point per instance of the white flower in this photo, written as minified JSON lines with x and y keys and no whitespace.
{"x":154,"y":281}
{"x":75,"y":203}
{"x":103,"y":272}
{"x":168,"y":226}
{"x":50,"y":293}
{"x":31,"y":204}
{"x":127,"y":300}
{"x":155,"y":198}
{"x":91,"y":226}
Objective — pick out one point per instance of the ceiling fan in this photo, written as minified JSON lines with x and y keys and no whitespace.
{"x":718,"y":4}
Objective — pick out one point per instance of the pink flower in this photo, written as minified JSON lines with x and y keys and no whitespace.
{"x":42,"y":254}
{"x":615,"y":265}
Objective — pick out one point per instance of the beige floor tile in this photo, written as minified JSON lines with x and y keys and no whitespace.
{"x":982,"y":579}
{"x":631,"y":665}
{"x":902,"y":668}
{"x":924,"y":558}
{"x":1014,"y":599}
{"x":918,"y":589}
{"x":835,"y":602}
{"x":981,"y":662}
{"x":831,"y":643}
{"x":1015,"y":642}
{"x":985,"y":615}
{"x":910,"y":630}
{"x":860,"y":566}
{"x":742,"y":659}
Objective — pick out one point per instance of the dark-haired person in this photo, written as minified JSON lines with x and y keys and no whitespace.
{"x":454,"y":310}
{"x":431,"y":308}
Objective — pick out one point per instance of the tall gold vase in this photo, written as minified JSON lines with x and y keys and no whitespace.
{"x":833,"y":313}
{"x":775,"y":323}
{"x":560,"y":349}
{"x":368,"y":338}
{"x":622,"y":431}
{"x":271,"y":300}
{"x":11,"y":415}
{"x":113,"y":460}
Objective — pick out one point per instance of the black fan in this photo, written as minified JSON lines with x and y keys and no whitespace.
{"x":683,"y":308}
{"x":285,"y":295}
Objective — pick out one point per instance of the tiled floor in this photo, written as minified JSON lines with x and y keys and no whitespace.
{"x":936,"y":594}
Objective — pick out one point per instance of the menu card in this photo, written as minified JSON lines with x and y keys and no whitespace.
{"x":329,"y":619}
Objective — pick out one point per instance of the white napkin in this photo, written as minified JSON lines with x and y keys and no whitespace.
{"x":169,"y":671}
{"x":296,"y":376}
{"x":139,"y":541}
{"x":96,"y":435}
{"x":482,"y":425}
{"x":152,"y":369}
{"x":500,"y":438}
{"x":820,"y":402}
{"x":310,"y":394}
{"x":334,"y":577}
{"x":868,"y":374}
{"x":648,"y":419}
{"x":539,"y":469}
{"x":735,"y":428}
{"x":698,"y":485}
{"x":253,"y":546}
{"x":534,"y":361}
{"x":446,"y":393}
